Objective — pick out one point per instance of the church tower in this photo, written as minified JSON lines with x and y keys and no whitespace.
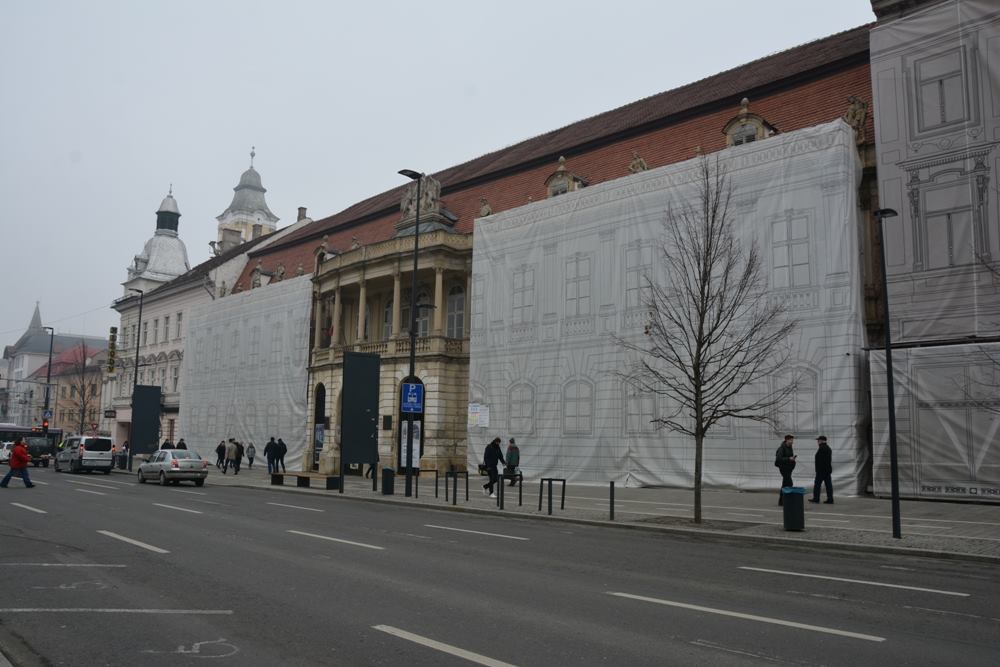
{"x":164,"y":257}
{"x":248,"y":214}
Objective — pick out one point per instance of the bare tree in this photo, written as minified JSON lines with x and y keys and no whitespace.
{"x":81,"y":373}
{"x":713,"y":336}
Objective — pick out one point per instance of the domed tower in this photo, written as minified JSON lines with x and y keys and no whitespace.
{"x":164,"y":257}
{"x":248,"y":213}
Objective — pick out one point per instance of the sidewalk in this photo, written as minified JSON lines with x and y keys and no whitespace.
{"x":941,"y":529}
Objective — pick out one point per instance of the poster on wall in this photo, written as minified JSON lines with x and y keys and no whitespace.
{"x":417,"y":443}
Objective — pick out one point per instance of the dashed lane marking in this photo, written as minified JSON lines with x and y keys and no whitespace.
{"x":477,"y":532}
{"x":751,"y":617}
{"x":96,"y":493}
{"x":297,"y":507}
{"x":137,"y":543}
{"x":29,"y":508}
{"x":477,"y":658}
{"x":854,"y":581}
{"x":99,"y":486}
{"x":179,"y":509}
{"x":335,"y":539}
{"x":113,"y":610}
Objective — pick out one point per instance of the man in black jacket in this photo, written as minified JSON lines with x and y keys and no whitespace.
{"x":491,"y":457}
{"x":784,"y":459}
{"x":824,"y":470}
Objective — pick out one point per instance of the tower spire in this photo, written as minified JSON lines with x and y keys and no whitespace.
{"x":252,"y":155}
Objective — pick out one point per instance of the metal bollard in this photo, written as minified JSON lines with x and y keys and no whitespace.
{"x":550,"y":496}
{"x":612,"y":501}
{"x":454,"y":489}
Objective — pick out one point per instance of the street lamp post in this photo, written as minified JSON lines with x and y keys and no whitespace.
{"x":418,"y":177}
{"x":48,"y":378}
{"x":881,"y":215}
{"x":135,"y":381}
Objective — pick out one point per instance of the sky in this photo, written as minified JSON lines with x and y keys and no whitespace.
{"x":107,"y":104}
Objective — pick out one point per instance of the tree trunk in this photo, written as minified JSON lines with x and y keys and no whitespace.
{"x":699,"y":439}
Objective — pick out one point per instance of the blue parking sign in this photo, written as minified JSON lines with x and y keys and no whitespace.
{"x":413,"y":397}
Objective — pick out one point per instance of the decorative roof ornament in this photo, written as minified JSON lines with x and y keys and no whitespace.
{"x":279,"y":273}
{"x":253,"y":154}
{"x":255,"y":275}
{"x":856,"y":116}
{"x":637,"y":164}
{"x":484,"y":208}
{"x":562,"y":180}
{"x":300,"y":270}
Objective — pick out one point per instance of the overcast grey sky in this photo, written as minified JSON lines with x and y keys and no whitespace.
{"x":108,"y":103}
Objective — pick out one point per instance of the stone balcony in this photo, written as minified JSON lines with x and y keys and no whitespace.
{"x":394,"y":348}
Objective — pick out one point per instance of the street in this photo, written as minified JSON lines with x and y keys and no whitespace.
{"x":101,"y":570}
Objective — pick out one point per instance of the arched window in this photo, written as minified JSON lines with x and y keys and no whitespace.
{"x":578,"y":407}
{"x":521,"y":398}
{"x":456,"y":312}
{"x":640,"y":409}
{"x":800,"y":414}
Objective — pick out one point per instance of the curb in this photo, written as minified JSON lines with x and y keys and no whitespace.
{"x":697,"y":533}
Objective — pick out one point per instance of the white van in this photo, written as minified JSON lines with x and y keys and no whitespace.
{"x":84,"y":452}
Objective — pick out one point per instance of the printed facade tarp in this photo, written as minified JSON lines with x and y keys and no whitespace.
{"x":936,"y":76}
{"x":554,"y":279}
{"x":947,"y":421}
{"x":246,"y":369}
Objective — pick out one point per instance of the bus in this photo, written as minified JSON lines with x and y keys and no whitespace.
{"x":41,"y":446}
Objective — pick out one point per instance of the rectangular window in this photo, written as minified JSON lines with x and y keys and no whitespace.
{"x":145,"y":333}
{"x":63,"y":391}
{"x":941,"y":90}
{"x":166,"y":328}
{"x":638,"y":267}
{"x":156,"y":331}
{"x":177,"y":377}
{"x":456,"y":313}
{"x":254,"y":352}
{"x":790,"y":253}
{"x":522,"y":409}
{"x":163,"y":378}
{"x":577,"y":408}
{"x":478,"y":321}
{"x":93,"y":390}
{"x":72,"y":391}
{"x":577,"y":286}
{"x":640,"y":410}
{"x":178,"y":334}
{"x":524,"y":295}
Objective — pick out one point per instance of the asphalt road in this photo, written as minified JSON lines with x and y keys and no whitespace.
{"x":117,"y":573}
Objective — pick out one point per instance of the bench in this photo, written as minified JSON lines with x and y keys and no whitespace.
{"x":304,"y":479}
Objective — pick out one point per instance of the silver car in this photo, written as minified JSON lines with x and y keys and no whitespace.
{"x":174,"y":465}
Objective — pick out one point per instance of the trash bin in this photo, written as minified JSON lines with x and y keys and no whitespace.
{"x":793,"y":502}
{"x":389,"y":481}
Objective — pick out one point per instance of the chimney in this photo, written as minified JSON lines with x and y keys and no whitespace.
{"x":302,"y":213}
{"x":230,"y":239}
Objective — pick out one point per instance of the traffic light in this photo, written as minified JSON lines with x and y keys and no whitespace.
{"x":112,"y":348}
{"x":45,"y":426}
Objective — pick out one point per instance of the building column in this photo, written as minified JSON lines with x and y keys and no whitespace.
{"x":438,"y":299}
{"x":318,"y":324}
{"x":396,"y":296}
{"x":335,"y":335}
{"x":467,"y":325}
{"x":362,"y":308}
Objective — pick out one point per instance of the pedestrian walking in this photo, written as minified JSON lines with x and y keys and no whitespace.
{"x":220,"y":454}
{"x":824,"y":471}
{"x":230,"y":461}
{"x":240,"y":450}
{"x":251,"y":455}
{"x":271,"y":453}
{"x":123,"y":456}
{"x":19,"y":460}
{"x":513,"y":460}
{"x":181,"y":444}
{"x":282,"y":450}
{"x":784,"y":459}
{"x":491,"y":457}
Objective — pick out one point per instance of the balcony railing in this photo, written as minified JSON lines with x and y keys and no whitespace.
{"x":397,"y":347}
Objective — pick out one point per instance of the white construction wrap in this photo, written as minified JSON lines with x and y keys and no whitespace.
{"x":245,"y":370}
{"x":553,"y":279}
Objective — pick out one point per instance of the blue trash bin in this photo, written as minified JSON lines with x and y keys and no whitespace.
{"x":793,"y":502}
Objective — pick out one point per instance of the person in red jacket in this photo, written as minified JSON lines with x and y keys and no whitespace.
{"x":19,"y":460}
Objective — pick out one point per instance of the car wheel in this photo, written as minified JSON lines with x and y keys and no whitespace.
{"x":142,"y":480}
{"x":74,"y":466}
{"x":163,"y":479}
{"x":199,"y":482}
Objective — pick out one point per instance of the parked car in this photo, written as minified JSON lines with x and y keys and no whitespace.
{"x":174,"y":465}
{"x":5,"y":451}
{"x":84,"y":452}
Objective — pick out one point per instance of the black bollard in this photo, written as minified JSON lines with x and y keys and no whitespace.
{"x":612,"y":501}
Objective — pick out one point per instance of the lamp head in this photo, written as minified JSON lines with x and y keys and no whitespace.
{"x":409,"y":173}
{"x":885,"y":213}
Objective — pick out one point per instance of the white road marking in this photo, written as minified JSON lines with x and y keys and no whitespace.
{"x":64,"y":564}
{"x":741,"y":514}
{"x":96,"y":493}
{"x":477,"y":658}
{"x":99,"y":486}
{"x":334,"y":539}
{"x":855,"y":581}
{"x":29,"y":508}
{"x":133,"y":542}
{"x":941,"y":611}
{"x":35,"y":481}
{"x":477,"y":532}
{"x":719,"y":647}
{"x":913,"y":525}
{"x":297,"y":507}
{"x":194,"y":493}
{"x":97,"y":610}
{"x":751,"y":617}
{"x":114,"y":481}
{"x":816,"y":518}
{"x":896,"y":567}
{"x":179,"y":509}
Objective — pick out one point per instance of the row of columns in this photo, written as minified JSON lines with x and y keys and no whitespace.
{"x":439,"y":308}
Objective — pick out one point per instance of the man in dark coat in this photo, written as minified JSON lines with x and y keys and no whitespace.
{"x":491,"y":457}
{"x":824,"y":471}
{"x":279,"y":458}
{"x":784,"y":459}
{"x":271,"y":454}
{"x":181,"y":444}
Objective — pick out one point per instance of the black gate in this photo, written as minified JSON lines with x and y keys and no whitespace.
{"x":359,"y":409}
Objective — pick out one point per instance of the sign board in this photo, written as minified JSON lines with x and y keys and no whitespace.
{"x":47,"y":414}
{"x":413,"y":397}
{"x":110,"y":414}
{"x":479,"y":415}
{"x":93,"y":426}
{"x":417,"y":444}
